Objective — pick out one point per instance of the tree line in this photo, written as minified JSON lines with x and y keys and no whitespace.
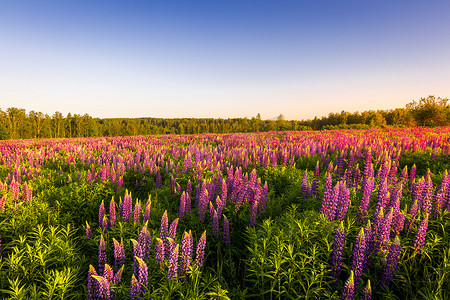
{"x":16,"y":123}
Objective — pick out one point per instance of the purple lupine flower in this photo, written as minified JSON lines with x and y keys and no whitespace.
{"x":172,"y":185}
{"x":336,"y":255}
{"x":253,"y":212}
{"x":200,"y":254}
{"x":304,"y":191}
{"x":88,"y":178}
{"x":148,"y":207}
{"x":88,"y":231}
{"x":171,"y":244}
{"x":160,"y":252}
{"x":27,"y":192}
{"x":226,"y":231}
{"x":330,"y":167}
{"x":203,"y":202}
{"x":349,"y":288}
{"x":264,"y":197}
{"x":186,"y":253}
{"x":391,"y":261}
{"x":142,"y":275}
{"x":331,"y":213}
{"x":135,"y":288}
{"x":438,"y":204}
{"x":120,"y":207}
{"x":119,"y":254}
{"x":366,"y":198}
{"x":137,"y":252}
{"x":220,"y":206}
{"x":2,"y":203}
{"x":164,"y":229}
{"x":127,"y":207}
{"x":158,"y":179}
{"x":412,"y":176}
{"x":108,"y":273}
{"x":113,"y":174}
{"x":104,"y":224}
{"x":101,"y":214}
{"x":189,"y":187}
{"x":118,"y":276}
{"x":137,"y":212}
{"x":119,"y":184}
{"x":427,"y":194}
{"x":421,"y":234}
{"x":315,"y":183}
{"x":104,"y":291}
{"x":382,"y":197}
{"x":347,"y":178}
{"x":145,"y":240}
{"x":368,"y":233}
{"x":395,"y":198}
{"x":382,"y":234}
{"x":101,"y":255}
{"x":404,"y":176}
{"x":112,"y":213}
{"x":399,"y":222}
{"x":173,"y":263}
{"x":103,"y":173}
{"x":344,"y":202}
{"x":356,"y":176}
{"x":223,"y":195}
{"x":327,"y":196}
{"x":187,"y":203}
{"x":359,"y":256}
{"x":92,"y":284}
{"x":173,"y":228}
{"x":182,"y":209}
{"x":392,"y":176}
{"x":366,"y":292}
{"x":215,"y":224}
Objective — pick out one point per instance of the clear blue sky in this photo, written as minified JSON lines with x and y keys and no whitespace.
{"x":221,"y":58}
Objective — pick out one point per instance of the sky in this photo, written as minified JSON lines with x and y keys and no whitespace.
{"x":221,"y":59}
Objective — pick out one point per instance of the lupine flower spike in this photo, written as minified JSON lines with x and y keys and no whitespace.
{"x":101,"y":255}
{"x":88,"y":231}
{"x":112,"y":213}
{"x":391,"y":261}
{"x":367,"y":292}
{"x":349,"y":288}
{"x":359,"y":256}
{"x":103,"y":292}
{"x":148,"y":207}
{"x":200,"y":255}
{"x":420,"y":235}
{"x":135,"y":288}
{"x":142,"y":273}
{"x":336,"y":255}
{"x":160,"y":252}
{"x":173,"y":263}
{"x":92,"y":283}
{"x":226,"y":231}
{"x":101,"y":214}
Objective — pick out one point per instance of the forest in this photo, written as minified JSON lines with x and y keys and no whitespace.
{"x":17,"y":123}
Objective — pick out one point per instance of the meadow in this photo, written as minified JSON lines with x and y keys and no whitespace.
{"x":341,"y":214}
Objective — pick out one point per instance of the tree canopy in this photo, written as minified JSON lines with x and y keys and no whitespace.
{"x":16,"y":123}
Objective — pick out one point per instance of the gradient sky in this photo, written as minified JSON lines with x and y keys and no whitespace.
{"x":221,"y":58}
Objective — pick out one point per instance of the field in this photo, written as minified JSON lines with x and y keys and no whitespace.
{"x":350,"y":214}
